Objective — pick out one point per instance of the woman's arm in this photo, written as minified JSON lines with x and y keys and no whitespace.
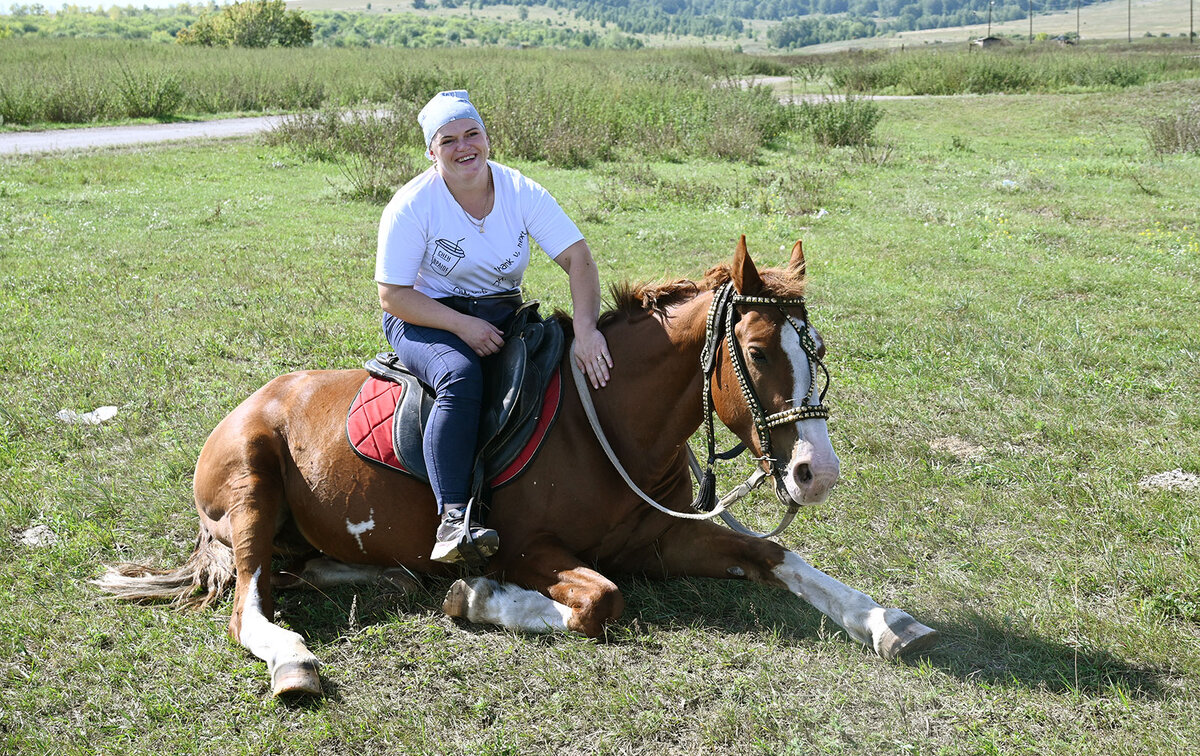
{"x":412,"y":306}
{"x":590,"y":350}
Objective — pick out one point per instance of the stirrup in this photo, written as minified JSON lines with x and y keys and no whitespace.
{"x":473,"y":544}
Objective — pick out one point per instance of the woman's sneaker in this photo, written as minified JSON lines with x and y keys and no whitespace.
{"x":456,"y":542}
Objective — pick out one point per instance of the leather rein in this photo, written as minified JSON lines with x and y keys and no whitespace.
{"x":722,"y":317}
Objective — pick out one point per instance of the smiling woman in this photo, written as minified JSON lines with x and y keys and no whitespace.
{"x":454,"y":235}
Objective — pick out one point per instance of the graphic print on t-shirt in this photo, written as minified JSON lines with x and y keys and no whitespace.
{"x":502,"y":280}
{"x":446,"y":255}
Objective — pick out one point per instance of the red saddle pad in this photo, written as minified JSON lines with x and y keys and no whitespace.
{"x":371,"y":419}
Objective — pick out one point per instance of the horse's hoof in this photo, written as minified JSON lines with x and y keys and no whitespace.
{"x":462,"y":594}
{"x":298,"y":678}
{"x":901,"y":635}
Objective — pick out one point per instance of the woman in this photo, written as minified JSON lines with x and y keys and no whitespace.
{"x":456,"y":239}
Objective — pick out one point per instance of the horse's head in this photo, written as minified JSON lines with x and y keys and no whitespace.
{"x":768,"y":381}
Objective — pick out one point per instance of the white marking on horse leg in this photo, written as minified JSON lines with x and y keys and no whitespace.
{"x":485,"y":601}
{"x":356,"y":529}
{"x":890,"y":632}
{"x":281,"y":649}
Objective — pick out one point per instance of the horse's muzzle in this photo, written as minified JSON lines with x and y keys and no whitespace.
{"x":809,"y":475}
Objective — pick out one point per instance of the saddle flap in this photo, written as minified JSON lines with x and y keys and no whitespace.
{"x":504,"y":379}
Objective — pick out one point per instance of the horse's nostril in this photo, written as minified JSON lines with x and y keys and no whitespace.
{"x":804,"y":473}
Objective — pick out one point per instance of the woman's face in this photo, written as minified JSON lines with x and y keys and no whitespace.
{"x":461,"y":149}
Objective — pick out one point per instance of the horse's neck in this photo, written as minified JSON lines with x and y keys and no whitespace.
{"x":656,"y":389}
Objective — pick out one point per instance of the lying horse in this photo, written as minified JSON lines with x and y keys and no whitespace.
{"x":277,"y":477}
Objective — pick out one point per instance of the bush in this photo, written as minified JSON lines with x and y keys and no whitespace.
{"x":1175,"y":133}
{"x":148,"y":96}
{"x":843,"y":122}
{"x":373,"y":149}
{"x":261,"y":23}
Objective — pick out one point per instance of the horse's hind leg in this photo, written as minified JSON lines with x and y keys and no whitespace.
{"x":248,"y":496}
{"x":547,"y":590}
{"x":704,"y":549}
{"x":292,"y":666}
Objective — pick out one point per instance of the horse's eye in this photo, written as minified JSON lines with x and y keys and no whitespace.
{"x":758,"y":355}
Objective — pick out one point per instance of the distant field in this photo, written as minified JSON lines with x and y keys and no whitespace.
{"x":1106,"y":20}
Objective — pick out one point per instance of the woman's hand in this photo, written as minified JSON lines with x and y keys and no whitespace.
{"x":483,"y":337}
{"x":590,"y":352}
{"x":412,"y":306}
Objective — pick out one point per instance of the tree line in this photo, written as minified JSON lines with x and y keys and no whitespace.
{"x":268,"y":22}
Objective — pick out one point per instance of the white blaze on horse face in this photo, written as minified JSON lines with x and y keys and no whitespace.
{"x":814,"y":466}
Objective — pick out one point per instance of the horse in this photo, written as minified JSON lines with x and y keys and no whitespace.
{"x":277,"y":477}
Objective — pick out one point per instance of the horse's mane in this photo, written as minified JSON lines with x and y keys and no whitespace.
{"x":637,"y":299}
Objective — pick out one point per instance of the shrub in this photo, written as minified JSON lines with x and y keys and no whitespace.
{"x":373,"y":149}
{"x":1175,"y":133}
{"x":149,"y":96}
{"x":842,"y":122}
{"x":261,"y":23}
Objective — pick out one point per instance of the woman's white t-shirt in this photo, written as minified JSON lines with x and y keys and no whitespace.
{"x":426,"y":240}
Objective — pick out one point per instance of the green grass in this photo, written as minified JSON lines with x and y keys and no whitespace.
{"x":1020,"y":275}
{"x":50,"y":81}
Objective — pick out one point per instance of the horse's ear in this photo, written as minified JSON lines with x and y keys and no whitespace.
{"x":796,"y":264}
{"x":745,"y":276}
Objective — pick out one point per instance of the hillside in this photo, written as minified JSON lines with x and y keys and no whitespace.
{"x":768,"y":26}
{"x":755,"y":25}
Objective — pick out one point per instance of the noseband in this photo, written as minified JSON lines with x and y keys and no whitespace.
{"x":722,"y":317}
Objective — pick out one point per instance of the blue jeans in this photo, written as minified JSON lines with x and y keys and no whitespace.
{"x":444,"y":362}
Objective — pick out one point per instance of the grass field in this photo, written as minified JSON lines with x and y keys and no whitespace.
{"x":1008,"y":288}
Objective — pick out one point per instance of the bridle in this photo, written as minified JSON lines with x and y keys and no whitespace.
{"x":722,"y":318}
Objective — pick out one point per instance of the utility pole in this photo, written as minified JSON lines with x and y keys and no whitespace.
{"x":1031,"y":21}
{"x":1077,"y":20}
{"x":990,"y":4}
{"x":1129,"y":21}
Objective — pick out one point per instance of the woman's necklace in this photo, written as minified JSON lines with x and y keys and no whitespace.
{"x":478,"y":224}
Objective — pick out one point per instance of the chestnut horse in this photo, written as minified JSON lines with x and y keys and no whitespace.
{"x":277,"y":476}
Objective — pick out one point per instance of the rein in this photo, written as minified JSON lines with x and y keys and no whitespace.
{"x":722,"y":317}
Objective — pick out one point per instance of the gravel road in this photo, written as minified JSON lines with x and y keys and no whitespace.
{"x":61,"y":140}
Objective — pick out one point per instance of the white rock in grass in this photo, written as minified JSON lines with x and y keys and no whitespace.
{"x":1173,"y":480}
{"x":39,"y":536}
{"x":95,"y":417}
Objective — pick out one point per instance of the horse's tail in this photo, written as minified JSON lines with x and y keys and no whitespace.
{"x":199,"y":581}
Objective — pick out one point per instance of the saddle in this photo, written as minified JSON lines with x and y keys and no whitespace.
{"x":522,"y":393}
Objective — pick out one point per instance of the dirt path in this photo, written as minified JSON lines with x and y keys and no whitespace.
{"x":60,"y":140}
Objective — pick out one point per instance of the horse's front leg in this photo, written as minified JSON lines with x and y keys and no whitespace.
{"x":707,"y":550}
{"x":546,"y":589}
